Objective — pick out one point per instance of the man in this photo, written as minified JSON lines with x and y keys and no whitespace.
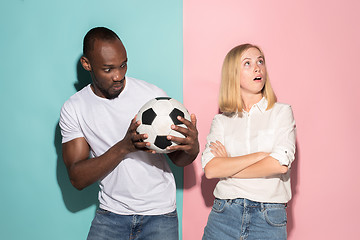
{"x":137,"y":188}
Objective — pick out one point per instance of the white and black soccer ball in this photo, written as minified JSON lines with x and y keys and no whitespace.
{"x":156,"y":117}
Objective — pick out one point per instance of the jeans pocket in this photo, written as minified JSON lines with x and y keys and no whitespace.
{"x":219,"y":205}
{"x":171,"y":214}
{"x":276,"y":216}
{"x":102,"y":212}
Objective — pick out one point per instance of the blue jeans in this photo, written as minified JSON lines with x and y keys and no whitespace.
{"x":244,"y":219}
{"x":109,"y":226}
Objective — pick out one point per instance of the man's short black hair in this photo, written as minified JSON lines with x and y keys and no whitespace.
{"x":100,"y":33}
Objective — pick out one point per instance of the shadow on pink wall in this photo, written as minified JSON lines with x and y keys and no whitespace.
{"x":207,"y":185}
{"x":207,"y":188}
{"x":294,"y":187}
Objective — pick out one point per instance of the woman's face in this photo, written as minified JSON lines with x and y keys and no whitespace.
{"x":252,"y":72}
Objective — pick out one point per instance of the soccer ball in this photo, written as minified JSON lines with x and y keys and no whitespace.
{"x":156,"y":118}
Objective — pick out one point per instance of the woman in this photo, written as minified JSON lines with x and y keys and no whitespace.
{"x":250,"y":147}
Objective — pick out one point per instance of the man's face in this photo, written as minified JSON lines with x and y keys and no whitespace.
{"x":107,"y":64}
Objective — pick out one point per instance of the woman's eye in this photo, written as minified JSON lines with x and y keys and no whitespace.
{"x":261,"y":61}
{"x":247,"y":63}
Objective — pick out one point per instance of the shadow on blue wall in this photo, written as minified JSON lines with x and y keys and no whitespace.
{"x":74,"y":199}
{"x":83,"y":77}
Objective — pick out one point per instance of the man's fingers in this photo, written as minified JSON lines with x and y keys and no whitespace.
{"x":139,"y":137}
{"x":193,"y":119}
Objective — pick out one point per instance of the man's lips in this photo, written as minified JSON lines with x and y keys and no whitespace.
{"x":119,"y":84}
{"x":117,"y":87}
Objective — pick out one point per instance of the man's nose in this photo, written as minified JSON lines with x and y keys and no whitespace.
{"x":117,"y":75}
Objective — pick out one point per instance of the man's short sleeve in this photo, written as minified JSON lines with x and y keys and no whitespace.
{"x":69,"y":123}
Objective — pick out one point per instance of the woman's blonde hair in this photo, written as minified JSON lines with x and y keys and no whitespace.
{"x":230,"y":101}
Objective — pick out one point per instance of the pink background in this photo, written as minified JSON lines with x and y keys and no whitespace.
{"x":312,"y":50}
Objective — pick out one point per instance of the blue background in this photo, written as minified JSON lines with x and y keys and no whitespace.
{"x":40,"y":48}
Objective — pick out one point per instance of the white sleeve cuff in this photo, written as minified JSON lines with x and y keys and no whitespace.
{"x":283,"y":155}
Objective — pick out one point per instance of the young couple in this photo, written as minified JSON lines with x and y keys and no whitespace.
{"x":250,"y":147}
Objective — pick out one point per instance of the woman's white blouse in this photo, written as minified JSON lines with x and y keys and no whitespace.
{"x":258,"y":130}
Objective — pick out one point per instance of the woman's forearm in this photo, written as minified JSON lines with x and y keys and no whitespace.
{"x":221,"y":167}
{"x":266,"y":167}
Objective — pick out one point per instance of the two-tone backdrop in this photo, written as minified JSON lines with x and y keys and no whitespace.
{"x":312,"y":50}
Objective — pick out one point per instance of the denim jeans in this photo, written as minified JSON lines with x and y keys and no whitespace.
{"x":244,"y":219}
{"x":109,"y":226}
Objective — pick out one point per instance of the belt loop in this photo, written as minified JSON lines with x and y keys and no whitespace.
{"x":262,"y":206}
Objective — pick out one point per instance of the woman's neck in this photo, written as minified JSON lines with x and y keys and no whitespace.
{"x":250,"y":100}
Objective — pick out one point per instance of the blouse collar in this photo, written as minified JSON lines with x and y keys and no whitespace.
{"x":261,"y":105}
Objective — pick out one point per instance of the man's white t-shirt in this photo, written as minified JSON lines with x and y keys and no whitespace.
{"x":142,"y":183}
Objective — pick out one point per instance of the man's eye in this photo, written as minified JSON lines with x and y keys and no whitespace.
{"x":107,"y":70}
{"x":123,"y":65}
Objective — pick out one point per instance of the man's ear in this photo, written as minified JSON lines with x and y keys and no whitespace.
{"x":85,"y":63}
